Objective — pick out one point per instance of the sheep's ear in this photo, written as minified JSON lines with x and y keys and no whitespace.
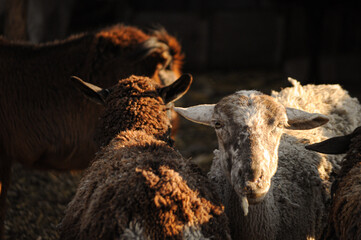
{"x":94,"y":93}
{"x":335,"y":145}
{"x":301,"y":120}
{"x":177,"y":89}
{"x":199,"y":114}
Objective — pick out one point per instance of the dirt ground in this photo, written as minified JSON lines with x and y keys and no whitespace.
{"x":37,"y":200}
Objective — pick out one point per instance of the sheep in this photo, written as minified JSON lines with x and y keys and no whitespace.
{"x":271,"y":186}
{"x":344,"y":221}
{"x":138,"y":186}
{"x":47,"y":124}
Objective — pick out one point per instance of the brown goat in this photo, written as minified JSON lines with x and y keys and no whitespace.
{"x":344,"y":222}
{"x":45,"y":122}
{"x":138,"y":186}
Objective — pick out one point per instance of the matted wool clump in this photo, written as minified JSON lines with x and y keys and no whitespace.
{"x":329,"y":99}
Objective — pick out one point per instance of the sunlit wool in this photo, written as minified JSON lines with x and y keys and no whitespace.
{"x":331,"y":100}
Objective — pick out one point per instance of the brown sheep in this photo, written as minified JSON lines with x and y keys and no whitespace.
{"x":45,"y":122}
{"x":139,"y":186}
{"x":344,"y":220}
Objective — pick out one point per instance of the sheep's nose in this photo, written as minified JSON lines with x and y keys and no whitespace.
{"x":250,"y":188}
{"x":256,"y":190}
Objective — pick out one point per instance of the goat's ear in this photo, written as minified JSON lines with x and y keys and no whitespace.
{"x":335,"y":145}
{"x":301,"y":120}
{"x":177,"y":89}
{"x":94,"y":93}
{"x":199,"y":114}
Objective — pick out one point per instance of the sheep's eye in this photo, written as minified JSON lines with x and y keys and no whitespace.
{"x":218,"y":125}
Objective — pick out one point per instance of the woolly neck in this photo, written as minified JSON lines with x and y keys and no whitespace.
{"x":265,"y":214}
{"x":138,"y":138}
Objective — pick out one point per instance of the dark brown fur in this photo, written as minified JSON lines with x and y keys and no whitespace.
{"x":45,"y":122}
{"x":136,"y":105}
{"x":345,"y":213}
{"x":139,"y":178}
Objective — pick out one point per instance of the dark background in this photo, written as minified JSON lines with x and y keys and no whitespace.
{"x":312,"y":41}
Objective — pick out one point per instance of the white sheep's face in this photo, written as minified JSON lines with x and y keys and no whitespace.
{"x":249,"y":126}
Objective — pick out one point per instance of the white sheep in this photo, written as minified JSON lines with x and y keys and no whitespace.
{"x":262,"y":161}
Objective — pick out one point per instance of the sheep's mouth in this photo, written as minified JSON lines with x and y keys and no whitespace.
{"x":254,"y":196}
{"x":253,"y":199}
{"x":245,"y":201}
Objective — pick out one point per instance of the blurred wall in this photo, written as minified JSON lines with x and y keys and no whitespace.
{"x":318,"y":43}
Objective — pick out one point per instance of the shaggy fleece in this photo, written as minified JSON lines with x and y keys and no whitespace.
{"x":140,"y":185}
{"x":328,"y":99}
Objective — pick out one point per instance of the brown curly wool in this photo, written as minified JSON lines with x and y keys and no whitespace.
{"x":138,"y":186}
{"x":139,"y":180}
{"x":177,"y":203}
{"x":134,"y":104}
{"x":344,"y":217}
